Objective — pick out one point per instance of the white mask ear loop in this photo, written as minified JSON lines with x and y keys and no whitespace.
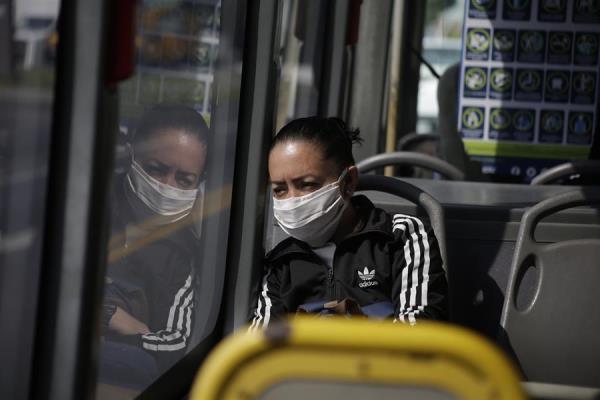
{"x":341,"y":179}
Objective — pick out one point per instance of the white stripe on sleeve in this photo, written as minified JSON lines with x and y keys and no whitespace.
{"x":174,"y":307}
{"x":258,"y":316}
{"x":420,"y":267}
{"x":171,"y":339}
{"x":408,"y":260}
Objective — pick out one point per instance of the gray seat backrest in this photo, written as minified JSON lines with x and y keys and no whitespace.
{"x":412,"y":159}
{"x":416,"y":195}
{"x":551,"y":314}
{"x":588,"y":168}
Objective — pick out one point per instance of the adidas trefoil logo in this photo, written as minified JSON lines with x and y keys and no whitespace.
{"x":366,"y":277}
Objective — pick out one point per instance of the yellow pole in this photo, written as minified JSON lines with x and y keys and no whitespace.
{"x":392,"y":113}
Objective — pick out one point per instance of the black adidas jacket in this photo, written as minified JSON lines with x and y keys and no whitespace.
{"x":152,"y":282}
{"x":390,"y":259}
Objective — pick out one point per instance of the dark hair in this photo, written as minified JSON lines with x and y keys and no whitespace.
{"x":171,"y":116}
{"x":331,"y":135}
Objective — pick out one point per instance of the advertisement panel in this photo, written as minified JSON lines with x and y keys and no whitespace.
{"x":529,"y":83}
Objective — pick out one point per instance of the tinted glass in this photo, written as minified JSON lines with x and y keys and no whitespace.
{"x":172,"y":182}
{"x":301,"y":47}
{"x":27,"y":71}
{"x":441,"y":49}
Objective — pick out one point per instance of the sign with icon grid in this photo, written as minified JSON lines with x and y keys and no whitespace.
{"x":529,"y":81}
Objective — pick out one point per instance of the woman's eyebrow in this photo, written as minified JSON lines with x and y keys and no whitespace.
{"x":156,"y":165}
{"x":156,"y":162}
{"x":303,"y":177}
{"x":187,"y":173}
{"x":299,"y":178}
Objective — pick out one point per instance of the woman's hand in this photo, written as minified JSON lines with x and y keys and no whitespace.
{"x":125,"y":324}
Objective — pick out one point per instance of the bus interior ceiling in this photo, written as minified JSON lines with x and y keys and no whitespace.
{"x":69,"y":115}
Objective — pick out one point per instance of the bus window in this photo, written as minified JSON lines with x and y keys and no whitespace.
{"x":333,"y":62}
{"x":441,"y":49}
{"x":171,"y":198}
{"x":27,"y":74}
{"x":301,"y":47}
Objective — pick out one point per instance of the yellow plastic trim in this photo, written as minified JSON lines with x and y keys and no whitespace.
{"x":430,"y":355}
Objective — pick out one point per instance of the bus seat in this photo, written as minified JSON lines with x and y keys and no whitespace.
{"x":412,"y":159}
{"x":580,"y":172}
{"x":337,"y":358}
{"x":550,"y":316}
{"x":425,"y":143}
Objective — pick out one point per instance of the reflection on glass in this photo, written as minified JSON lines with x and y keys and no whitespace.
{"x":149,"y":88}
{"x":204,"y":19}
{"x":152,"y":275}
{"x":200,"y":54}
{"x":184,"y":91}
{"x":177,"y":44}
{"x":148,"y":300}
{"x":151,"y":49}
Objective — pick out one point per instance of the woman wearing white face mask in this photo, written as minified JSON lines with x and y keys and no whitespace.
{"x":340,"y":245}
{"x":149,"y":292}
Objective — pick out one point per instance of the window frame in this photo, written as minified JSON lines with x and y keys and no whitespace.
{"x":74,"y":244}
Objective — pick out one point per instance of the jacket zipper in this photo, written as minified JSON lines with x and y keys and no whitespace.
{"x":331,"y":277}
{"x":331,"y":292}
{"x":330,"y":283}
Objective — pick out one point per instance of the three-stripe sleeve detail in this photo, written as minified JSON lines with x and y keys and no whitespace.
{"x":179,"y":323}
{"x":415,"y":274}
{"x":262,"y":314}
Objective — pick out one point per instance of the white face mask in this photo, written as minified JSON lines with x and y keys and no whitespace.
{"x":313,"y":218}
{"x":161,"y":198}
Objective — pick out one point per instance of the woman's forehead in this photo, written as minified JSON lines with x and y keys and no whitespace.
{"x":168,"y":137}
{"x":174,"y":148}
{"x":291,"y":159}
{"x":297,"y":147}
{"x":295,"y":151}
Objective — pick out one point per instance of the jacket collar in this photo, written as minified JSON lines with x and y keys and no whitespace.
{"x":373,"y":221}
